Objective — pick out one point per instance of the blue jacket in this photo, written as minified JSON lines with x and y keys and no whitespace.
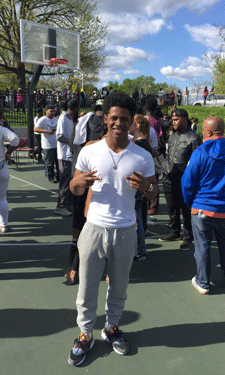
{"x":203,"y":182}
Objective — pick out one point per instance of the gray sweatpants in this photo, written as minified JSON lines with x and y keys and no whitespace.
{"x":99,"y":248}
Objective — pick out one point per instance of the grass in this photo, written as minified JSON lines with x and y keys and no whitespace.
{"x":202,"y":113}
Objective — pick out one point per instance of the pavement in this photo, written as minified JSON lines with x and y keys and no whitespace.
{"x":171,"y":328}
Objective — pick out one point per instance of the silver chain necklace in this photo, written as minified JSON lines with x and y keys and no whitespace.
{"x":115,"y":167}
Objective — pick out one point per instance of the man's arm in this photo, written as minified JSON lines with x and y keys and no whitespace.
{"x":82,"y":180}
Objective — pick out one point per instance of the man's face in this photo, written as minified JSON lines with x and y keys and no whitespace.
{"x":179,"y":123}
{"x":74,"y":113}
{"x":50,"y":113}
{"x":118,"y":122}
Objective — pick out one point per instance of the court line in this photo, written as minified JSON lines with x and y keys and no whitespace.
{"x":36,"y":244}
{"x":29,"y":183}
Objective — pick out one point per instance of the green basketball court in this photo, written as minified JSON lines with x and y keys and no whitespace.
{"x":171,"y":328}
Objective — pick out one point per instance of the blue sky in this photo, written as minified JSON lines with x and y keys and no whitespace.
{"x":166,"y":39}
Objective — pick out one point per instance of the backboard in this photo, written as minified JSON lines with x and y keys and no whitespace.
{"x":40,"y":43}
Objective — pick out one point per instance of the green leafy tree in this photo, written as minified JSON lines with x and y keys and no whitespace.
{"x":219,"y":76}
{"x":78,"y":16}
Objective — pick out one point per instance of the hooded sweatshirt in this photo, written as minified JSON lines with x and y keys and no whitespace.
{"x":203,"y":182}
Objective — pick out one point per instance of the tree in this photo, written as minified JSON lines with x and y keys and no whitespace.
{"x":219,"y":76}
{"x":78,"y":16}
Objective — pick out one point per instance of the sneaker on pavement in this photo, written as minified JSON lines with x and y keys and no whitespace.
{"x":4,"y":229}
{"x":199,"y":289}
{"x":116,"y":337}
{"x":141,"y":257}
{"x":62,"y":211}
{"x":170,"y":237}
{"x":186,"y":245}
{"x":150,"y":222}
{"x":81,"y":346}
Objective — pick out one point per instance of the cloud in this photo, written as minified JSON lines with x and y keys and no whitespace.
{"x":120,"y":57}
{"x":131,"y":72}
{"x":205,"y":34}
{"x":120,"y":61}
{"x":168,"y":8}
{"x":165,"y":8}
{"x":127,"y":27}
{"x":193,"y":68}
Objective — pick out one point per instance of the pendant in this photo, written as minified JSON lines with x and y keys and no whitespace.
{"x":115,"y":167}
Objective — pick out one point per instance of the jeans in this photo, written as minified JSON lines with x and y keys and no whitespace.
{"x":65,"y":195}
{"x":175,"y":203}
{"x":203,"y":227}
{"x":50,"y":156}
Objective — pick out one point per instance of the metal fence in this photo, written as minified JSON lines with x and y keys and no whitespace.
{"x":16,"y":112}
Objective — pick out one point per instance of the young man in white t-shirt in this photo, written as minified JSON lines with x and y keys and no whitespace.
{"x":65,"y":127}
{"x":46,"y":125}
{"x":38,"y":150}
{"x":115,"y":168}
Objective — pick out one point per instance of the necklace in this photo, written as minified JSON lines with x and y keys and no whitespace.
{"x":115,"y":167}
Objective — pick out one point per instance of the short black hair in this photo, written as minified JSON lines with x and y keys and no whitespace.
{"x":98,"y":108}
{"x":71,"y":104}
{"x":151,"y":104}
{"x":119,"y":99}
{"x":49,"y":106}
{"x":39,"y":110}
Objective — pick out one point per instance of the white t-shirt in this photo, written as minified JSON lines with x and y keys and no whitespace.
{"x":35,"y":123}
{"x":113,"y":200}
{"x":47,"y":141}
{"x":64,"y":126}
{"x":7,"y":135}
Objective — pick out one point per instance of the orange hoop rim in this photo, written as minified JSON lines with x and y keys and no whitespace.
{"x":56,"y":61}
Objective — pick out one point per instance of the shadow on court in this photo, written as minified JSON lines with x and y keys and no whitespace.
{"x":41,"y":322}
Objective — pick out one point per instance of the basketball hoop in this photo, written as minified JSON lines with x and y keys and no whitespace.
{"x":56,"y":61}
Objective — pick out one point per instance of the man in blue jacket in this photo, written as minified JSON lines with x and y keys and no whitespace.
{"x":203,"y":188}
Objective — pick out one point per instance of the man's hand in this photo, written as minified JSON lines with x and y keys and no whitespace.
{"x":137,"y":181}
{"x":81,"y":181}
{"x":85,"y":180}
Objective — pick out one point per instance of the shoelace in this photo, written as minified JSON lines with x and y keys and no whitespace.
{"x":118,"y":333}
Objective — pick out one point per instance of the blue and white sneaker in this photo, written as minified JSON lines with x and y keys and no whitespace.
{"x":82,"y":345}
{"x":116,"y":337}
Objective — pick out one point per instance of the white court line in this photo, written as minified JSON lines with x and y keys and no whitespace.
{"x":29,"y":183}
{"x":36,"y":244}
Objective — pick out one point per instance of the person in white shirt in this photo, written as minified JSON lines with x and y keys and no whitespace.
{"x":6,"y":135}
{"x":37,"y":136}
{"x":115,"y":168}
{"x":46,"y":125}
{"x":65,"y":126}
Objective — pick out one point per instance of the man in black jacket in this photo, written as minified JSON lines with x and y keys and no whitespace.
{"x":181,"y":144}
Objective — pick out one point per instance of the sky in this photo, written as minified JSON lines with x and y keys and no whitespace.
{"x":166,"y":39}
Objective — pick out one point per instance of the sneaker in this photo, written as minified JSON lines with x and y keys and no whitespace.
{"x":4,"y":229}
{"x":63,"y":211}
{"x":115,"y":336}
{"x":80,"y":348}
{"x":141,"y":257}
{"x":170,"y":237}
{"x":199,"y":289}
{"x":186,"y":245}
{"x":150,"y":222}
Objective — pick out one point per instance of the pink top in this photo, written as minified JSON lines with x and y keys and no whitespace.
{"x":155,"y":124}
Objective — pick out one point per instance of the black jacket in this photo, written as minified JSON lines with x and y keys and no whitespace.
{"x":180,"y":148}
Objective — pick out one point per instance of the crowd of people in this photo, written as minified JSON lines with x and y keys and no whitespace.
{"x":108,"y":163}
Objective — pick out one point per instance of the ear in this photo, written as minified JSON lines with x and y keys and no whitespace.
{"x":105,"y":119}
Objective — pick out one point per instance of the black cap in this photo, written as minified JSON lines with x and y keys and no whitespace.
{"x":180,"y":113}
